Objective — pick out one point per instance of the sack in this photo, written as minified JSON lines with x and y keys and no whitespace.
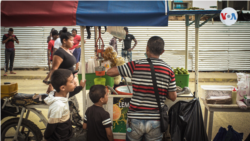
{"x":21,"y":99}
{"x":117,"y":31}
{"x":163,"y":110}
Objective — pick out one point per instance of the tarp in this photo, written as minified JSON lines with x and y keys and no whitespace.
{"x":84,"y":13}
{"x":121,"y":13}
{"x":38,"y":13}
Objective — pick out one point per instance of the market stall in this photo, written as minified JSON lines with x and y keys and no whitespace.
{"x":105,"y":13}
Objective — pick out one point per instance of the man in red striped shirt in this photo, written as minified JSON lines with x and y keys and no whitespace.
{"x":143,"y":110}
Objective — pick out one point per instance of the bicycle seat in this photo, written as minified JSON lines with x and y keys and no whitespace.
{"x":21,"y":99}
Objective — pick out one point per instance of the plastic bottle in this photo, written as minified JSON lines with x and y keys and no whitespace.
{"x":234,"y":95}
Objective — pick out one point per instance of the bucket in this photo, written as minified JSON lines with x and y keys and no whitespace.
{"x":123,"y":90}
{"x":100,"y":71}
{"x":100,"y":81}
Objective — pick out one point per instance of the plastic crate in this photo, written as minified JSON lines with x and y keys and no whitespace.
{"x":90,"y":79}
{"x":182,"y":80}
{"x":8,"y":90}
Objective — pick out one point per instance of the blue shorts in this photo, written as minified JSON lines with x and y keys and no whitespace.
{"x":149,"y":130}
{"x":77,"y":54}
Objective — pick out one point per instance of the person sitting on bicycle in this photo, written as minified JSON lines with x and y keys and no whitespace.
{"x":59,"y":126}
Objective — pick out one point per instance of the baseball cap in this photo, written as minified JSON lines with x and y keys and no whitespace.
{"x":10,"y":29}
{"x":126,"y":28}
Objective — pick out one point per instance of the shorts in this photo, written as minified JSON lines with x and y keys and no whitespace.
{"x":77,"y":54}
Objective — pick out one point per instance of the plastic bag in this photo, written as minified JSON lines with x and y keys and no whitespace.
{"x":243,"y":89}
{"x":117,"y":31}
{"x":107,"y":65}
{"x":90,"y":66}
{"x":186,"y":121}
{"x":221,"y":134}
{"x":230,"y":135}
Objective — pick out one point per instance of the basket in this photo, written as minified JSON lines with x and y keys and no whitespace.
{"x":90,"y":79}
{"x":8,"y":90}
{"x":182,"y":80}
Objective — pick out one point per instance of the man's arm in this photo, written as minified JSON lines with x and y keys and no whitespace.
{"x":113,"y":72}
{"x":134,"y":45}
{"x":84,"y":126}
{"x":5,"y":39}
{"x":109,"y":133}
{"x":172,"y":96}
{"x":15,"y":39}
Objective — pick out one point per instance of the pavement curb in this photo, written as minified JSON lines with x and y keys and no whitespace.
{"x":190,"y":79}
{"x":23,"y":77}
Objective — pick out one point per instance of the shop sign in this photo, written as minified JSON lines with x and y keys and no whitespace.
{"x":120,"y":109}
{"x":228,"y":16}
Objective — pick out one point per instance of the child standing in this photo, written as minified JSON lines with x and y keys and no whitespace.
{"x":59,"y":126}
{"x":96,"y":119}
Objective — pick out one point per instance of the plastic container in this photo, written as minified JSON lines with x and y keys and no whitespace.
{"x":182,"y":80}
{"x":90,"y":79}
{"x":8,"y":90}
{"x":234,"y":95}
{"x":123,"y":90}
{"x":100,"y":81}
{"x":100,"y":71}
{"x":217,"y":94}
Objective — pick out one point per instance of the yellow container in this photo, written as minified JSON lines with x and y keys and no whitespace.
{"x":100,"y":81}
{"x":8,"y":90}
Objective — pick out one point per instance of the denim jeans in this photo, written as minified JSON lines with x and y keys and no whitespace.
{"x":127,"y":55}
{"x":147,"y":130}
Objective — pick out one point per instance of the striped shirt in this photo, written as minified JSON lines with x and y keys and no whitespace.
{"x":143,"y":104}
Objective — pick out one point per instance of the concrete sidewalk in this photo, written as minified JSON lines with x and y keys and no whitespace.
{"x":203,"y":76}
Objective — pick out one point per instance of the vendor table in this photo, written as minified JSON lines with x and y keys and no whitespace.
{"x":218,"y":108}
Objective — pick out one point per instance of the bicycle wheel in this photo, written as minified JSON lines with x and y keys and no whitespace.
{"x":28,"y":131}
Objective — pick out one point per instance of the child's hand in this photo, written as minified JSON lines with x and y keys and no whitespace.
{"x":83,"y":83}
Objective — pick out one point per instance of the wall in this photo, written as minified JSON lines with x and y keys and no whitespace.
{"x":221,"y":47}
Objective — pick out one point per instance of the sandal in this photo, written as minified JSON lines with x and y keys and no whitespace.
{"x":5,"y":74}
{"x":46,"y":82}
{"x":12,"y":72}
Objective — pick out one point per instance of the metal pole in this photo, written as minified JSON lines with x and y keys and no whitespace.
{"x":197,"y":23}
{"x":95,"y":30}
{"x":19,"y":124}
{"x":186,"y":51}
{"x":248,"y":4}
{"x":83,"y":69}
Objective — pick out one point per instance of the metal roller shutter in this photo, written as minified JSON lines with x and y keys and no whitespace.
{"x":221,"y":47}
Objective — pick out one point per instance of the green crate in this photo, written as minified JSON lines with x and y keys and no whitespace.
{"x":90,"y":79}
{"x":182,"y":80}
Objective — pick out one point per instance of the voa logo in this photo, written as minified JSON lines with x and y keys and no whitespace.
{"x":228,"y":16}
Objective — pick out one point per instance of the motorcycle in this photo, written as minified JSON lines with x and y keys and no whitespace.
{"x":21,"y":128}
